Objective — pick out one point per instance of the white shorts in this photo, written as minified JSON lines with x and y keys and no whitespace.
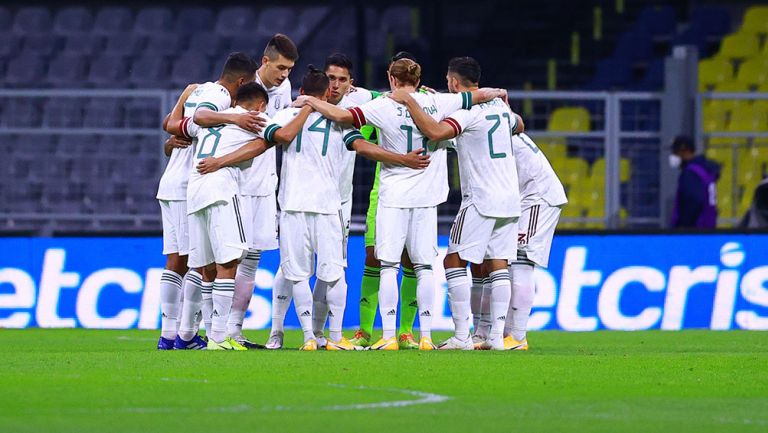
{"x":476,"y":237}
{"x":346,"y":215}
{"x":217,"y":235}
{"x":175,"y":227}
{"x":414,"y":229}
{"x":535,"y":231}
{"x":260,"y":221}
{"x":304,"y":234}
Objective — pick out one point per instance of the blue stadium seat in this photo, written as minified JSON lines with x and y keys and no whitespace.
{"x":107,"y":71}
{"x":150,"y":71}
{"x":77,"y":144}
{"x":44,"y":44}
{"x":142,"y":113}
{"x":67,"y":70}
{"x":22,"y":113}
{"x":113,"y":20}
{"x":235,"y":20}
{"x":39,"y":145}
{"x":634,"y":46}
{"x":32,"y":20}
{"x":659,"y":21}
{"x":715,"y":21}
{"x":153,"y":20}
{"x":206,"y":44}
{"x":85,"y":43}
{"x":276,"y":19}
{"x":26,"y":70}
{"x":654,"y":76}
{"x":73,"y":19}
{"x":124,"y":44}
{"x":309,"y":19}
{"x":194,"y":20}
{"x":103,"y":113}
{"x":190,"y":68}
{"x":10,"y":44}
{"x":6,"y":18}
{"x":163,"y":44}
{"x":251,"y":43}
{"x":611,"y":73}
{"x":398,"y":21}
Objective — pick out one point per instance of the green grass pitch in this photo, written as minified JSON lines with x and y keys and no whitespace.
{"x":113,"y":381}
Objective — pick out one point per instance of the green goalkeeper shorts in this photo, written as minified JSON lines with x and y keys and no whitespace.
{"x":370,"y":218}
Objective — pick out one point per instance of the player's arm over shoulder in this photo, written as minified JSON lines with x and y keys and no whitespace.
{"x":286,"y":125}
{"x":516,"y":125}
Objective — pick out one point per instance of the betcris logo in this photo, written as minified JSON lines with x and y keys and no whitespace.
{"x":621,"y":282}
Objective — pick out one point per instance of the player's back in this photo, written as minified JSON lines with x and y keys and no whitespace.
{"x":537,"y":179}
{"x":486,"y":159}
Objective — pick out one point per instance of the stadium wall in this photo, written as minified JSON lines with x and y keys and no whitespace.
{"x":609,"y":281}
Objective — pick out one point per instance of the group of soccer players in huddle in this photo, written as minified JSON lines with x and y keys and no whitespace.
{"x":219,"y":205}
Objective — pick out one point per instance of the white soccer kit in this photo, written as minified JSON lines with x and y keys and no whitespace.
{"x":542,"y":196}
{"x":172,"y":190}
{"x":408,"y":198}
{"x":311,"y":221}
{"x":259,"y":181}
{"x":217,"y":230}
{"x":358,"y":96}
{"x":486,"y":224}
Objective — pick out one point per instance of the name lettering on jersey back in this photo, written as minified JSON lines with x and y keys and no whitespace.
{"x":403,"y":112}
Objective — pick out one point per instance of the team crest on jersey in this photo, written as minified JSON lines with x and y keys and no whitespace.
{"x":277,"y":103}
{"x":522,"y":239}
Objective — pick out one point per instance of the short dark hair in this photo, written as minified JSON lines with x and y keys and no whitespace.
{"x":403,"y":55}
{"x":315,"y":82}
{"x":466,"y":68}
{"x":683,"y":142}
{"x":283,"y":45}
{"x":239,"y":65}
{"x":252,"y":91}
{"x":340,"y":60}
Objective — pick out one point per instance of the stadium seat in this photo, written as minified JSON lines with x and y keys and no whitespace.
{"x":658,"y":21}
{"x":124,"y":44}
{"x":205,"y":44}
{"x":569,"y":119}
{"x":152,"y":20}
{"x":739,"y":46}
{"x":195,"y":19}
{"x":276,"y":19}
{"x":107,"y":71}
{"x":398,"y":21}
{"x":67,"y":70}
{"x":714,"y":71}
{"x":103,"y":113}
{"x":43,"y":44}
{"x":715,"y":21}
{"x":234,"y":21}
{"x":77,"y":144}
{"x":730,"y":87}
{"x":142,"y":113}
{"x":309,"y":19}
{"x":63,"y":113}
{"x":73,"y":19}
{"x":753,"y":72}
{"x":188,"y":68}
{"x":249,"y":43}
{"x":756,"y":20}
{"x":10,"y":46}
{"x":6,"y":18}
{"x":162,"y":44}
{"x":598,"y":170}
{"x":32,"y":20}
{"x":150,"y":71}
{"x":553,"y":147}
{"x":634,"y":46}
{"x":654,"y":76}
{"x":85,"y":43}
{"x":611,"y":73}
{"x":22,"y":113}
{"x":25,"y":70}
{"x":113,"y":19}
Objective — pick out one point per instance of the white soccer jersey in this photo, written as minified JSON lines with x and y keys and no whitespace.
{"x":221,"y":185}
{"x":260,"y":179}
{"x":486,"y":160}
{"x":402,"y":186}
{"x":537,"y":179}
{"x":312,"y":163}
{"x":358,"y":96}
{"x":173,"y":184}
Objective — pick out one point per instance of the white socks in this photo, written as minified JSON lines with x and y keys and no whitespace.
{"x":244,"y":281}
{"x":484,"y":325}
{"x":388,"y":295}
{"x":319,"y":307}
{"x":501,"y":291}
{"x":191,"y":309}
{"x":523,"y":291}
{"x":336,"y":303}
{"x":302,"y":297}
{"x":207,"y":305}
{"x":282,"y":290}
{"x":223,"y":291}
{"x":475,"y":300}
{"x":425,"y":297}
{"x":170,"y":296}
{"x":459,"y":300}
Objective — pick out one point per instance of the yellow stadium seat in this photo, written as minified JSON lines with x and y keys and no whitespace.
{"x":598,"y":169}
{"x":756,"y":20}
{"x":553,"y":147}
{"x":573,"y":209}
{"x":573,"y":171}
{"x":739,"y":46}
{"x":748,"y":118}
{"x":754,"y":72}
{"x":569,"y":119}
{"x":713,"y":71}
{"x":714,"y":119}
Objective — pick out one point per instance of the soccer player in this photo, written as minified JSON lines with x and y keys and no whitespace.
{"x":206,"y":105}
{"x":408,"y":199}
{"x":485,"y":227}
{"x":311,"y":219}
{"x":257,"y":188}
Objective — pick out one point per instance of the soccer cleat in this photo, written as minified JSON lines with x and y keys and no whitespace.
{"x":275,"y":341}
{"x":511,"y":344}
{"x":407,"y":342}
{"x":165,"y":344}
{"x":493,"y":344}
{"x":454,"y":343}
{"x":426,"y":344}
{"x":196,"y":343}
{"x":343,"y":344}
{"x":248,"y":344}
{"x":228,"y":344}
{"x":361,"y":339}
{"x":382,"y":344}
{"x":309,"y":345}
{"x":322,"y":342}
{"x":477,"y":342}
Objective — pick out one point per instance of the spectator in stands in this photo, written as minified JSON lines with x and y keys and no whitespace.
{"x":757,"y":216}
{"x":696,"y":198}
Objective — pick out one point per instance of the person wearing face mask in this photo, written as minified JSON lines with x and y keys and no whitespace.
{"x":696,"y":198}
